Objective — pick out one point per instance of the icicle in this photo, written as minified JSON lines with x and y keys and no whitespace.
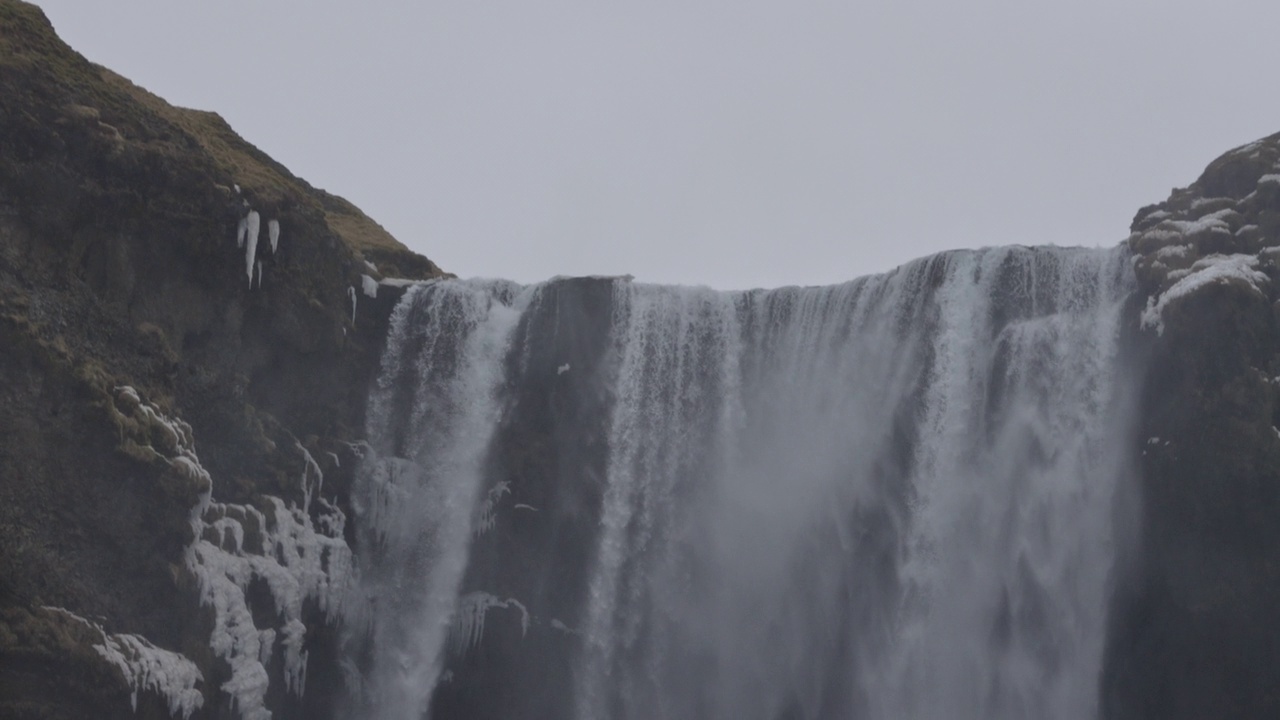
{"x":241,"y":230}
{"x":259,"y":271}
{"x":467,"y":629}
{"x":251,"y":246}
{"x":351,"y":292}
{"x":310,"y":469}
{"x":273,"y":233}
{"x":488,"y":516}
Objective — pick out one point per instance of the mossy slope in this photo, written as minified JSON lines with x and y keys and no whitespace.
{"x":119,"y":266}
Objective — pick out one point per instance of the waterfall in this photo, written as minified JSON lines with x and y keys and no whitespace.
{"x":892,"y":498}
{"x":430,"y":418}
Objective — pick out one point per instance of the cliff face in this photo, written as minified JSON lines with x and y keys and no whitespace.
{"x":1196,"y":624}
{"x":120,"y":268}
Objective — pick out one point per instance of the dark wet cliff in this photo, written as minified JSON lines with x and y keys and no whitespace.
{"x":1196,"y":627}
{"x":127,"y":307}
{"x":119,"y":266}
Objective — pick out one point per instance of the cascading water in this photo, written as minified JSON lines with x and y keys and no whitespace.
{"x":430,"y":418}
{"x":893,"y":498}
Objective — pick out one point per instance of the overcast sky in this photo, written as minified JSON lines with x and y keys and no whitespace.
{"x":731,"y":143}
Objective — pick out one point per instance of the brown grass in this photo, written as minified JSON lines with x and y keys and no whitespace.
{"x":62,"y":78}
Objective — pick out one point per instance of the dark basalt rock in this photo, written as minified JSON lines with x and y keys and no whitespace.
{"x":1196,"y":626}
{"x":119,"y":266}
{"x":542,"y":555}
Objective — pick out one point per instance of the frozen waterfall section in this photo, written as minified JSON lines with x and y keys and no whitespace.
{"x":891,"y":498}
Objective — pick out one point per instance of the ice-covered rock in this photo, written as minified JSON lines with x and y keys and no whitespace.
{"x":298,"y":559}
{"x":147,"y":667}
{"x":467,"y":629}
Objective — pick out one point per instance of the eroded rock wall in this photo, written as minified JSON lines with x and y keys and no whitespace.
{"x":1196,"y":628}
{"x":120,"y":267}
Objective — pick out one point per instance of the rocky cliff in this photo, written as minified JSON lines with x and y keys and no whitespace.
{"x":1196,"y":628}
{"x":187,"y":335}
{"x":149,"y":350}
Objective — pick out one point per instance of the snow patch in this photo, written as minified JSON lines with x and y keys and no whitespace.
{"x":1202,"y":201}
{"x":1172,"y":251}
{"x":370,"y":286}
{"x":399,"y":282}
{"x":1211,"y":270}
{"x":562,"y":369}
{"x":1214,"y":222}
{"x":1252,"y":149}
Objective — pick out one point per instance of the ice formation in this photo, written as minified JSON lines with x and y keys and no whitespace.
{"x":1211,"y":270}
{"x":273,"y":234}
{"x":467,"y":629}
{"x":487,"y":516}
{"x":562,"y":369}
{"x":370,"y":286}
{"x":235,"y":544}
{"x":147,"y":667}
{"x":252,"y":221}
{"x":312,"y":477}
{"x":351,"y":293}
{"x":242,"y":229}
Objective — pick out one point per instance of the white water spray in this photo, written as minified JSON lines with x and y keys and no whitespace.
{"x":892,"y":498}
{"x":430,"y":420}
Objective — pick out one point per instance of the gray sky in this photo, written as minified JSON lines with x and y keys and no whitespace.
{"x":732,"y":143}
